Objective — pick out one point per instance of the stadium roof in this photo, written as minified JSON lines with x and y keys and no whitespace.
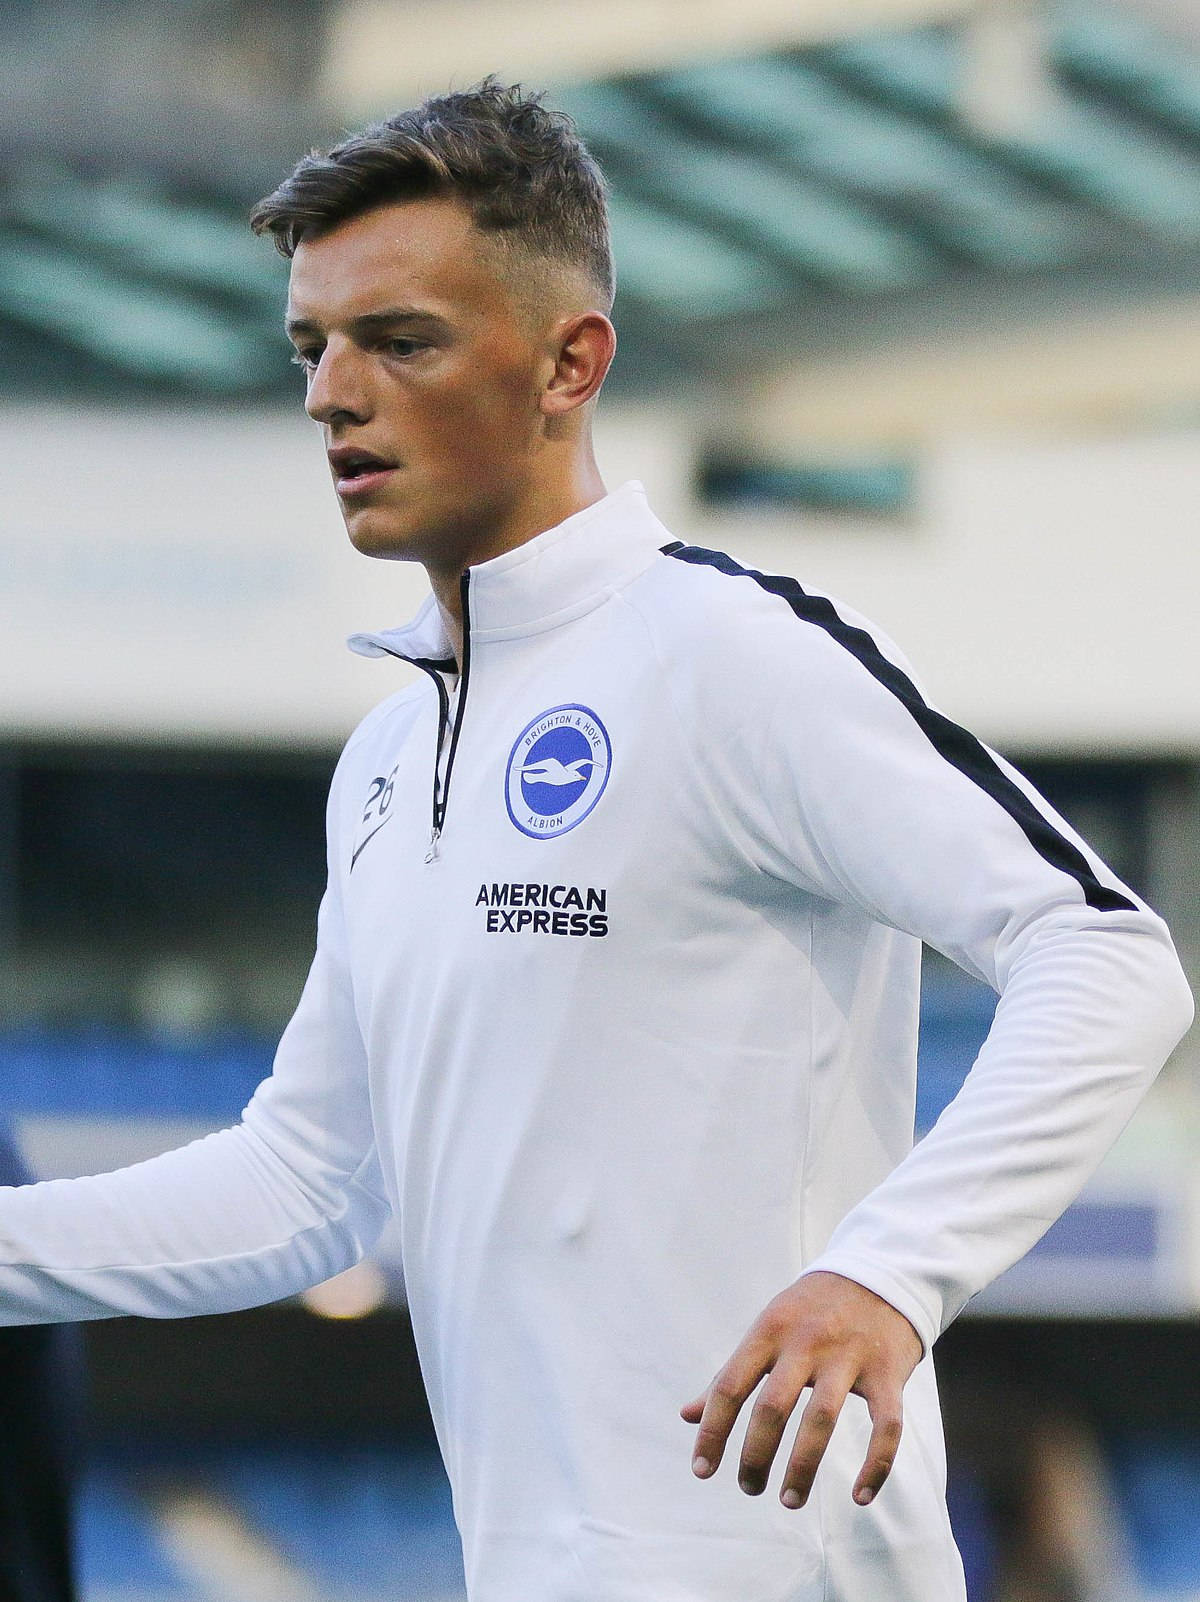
{"x":788,"y":199}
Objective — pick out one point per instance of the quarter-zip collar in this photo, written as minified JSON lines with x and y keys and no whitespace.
{"x":554,"y":577}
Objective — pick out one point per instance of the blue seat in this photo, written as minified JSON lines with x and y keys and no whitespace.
{"x":116,"y":1541}
{"x":358,"y":1521}
{"x":379,"y":1515}
{"x":1157,"y":1480}
{"x":956,"y":1014}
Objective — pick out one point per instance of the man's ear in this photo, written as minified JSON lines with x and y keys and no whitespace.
{"x":582,"y":352}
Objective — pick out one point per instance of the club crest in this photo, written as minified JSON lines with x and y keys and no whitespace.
{"x":557,"y":771}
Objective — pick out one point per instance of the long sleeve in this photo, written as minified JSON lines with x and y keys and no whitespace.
{"x":877,"y":800}
{"x":288,"y":1197}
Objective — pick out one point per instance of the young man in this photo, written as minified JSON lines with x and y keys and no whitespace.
{"x":614,"y":1001}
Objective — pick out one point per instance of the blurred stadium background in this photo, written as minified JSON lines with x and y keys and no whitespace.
{"x":910,"y":305}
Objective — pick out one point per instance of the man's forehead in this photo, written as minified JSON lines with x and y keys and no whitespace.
{"x":421,"y":254}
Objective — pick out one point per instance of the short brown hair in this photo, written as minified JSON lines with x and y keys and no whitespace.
{"x":522,"y":170}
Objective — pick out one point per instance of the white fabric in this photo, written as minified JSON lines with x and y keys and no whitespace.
{"x":608,"y":1150}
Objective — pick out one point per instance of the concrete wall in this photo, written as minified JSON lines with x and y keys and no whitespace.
{"x":184,"y":575}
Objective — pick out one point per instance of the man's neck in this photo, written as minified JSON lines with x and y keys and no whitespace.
{"x":540,"y":512}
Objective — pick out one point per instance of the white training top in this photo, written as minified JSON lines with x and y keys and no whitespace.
{"x":618,"y":1015}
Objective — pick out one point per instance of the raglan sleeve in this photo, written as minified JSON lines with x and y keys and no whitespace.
{"x":877,"y":799}
{"x":286,"y":1198}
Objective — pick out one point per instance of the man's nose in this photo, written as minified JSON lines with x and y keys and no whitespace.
{"x":337,"y":387}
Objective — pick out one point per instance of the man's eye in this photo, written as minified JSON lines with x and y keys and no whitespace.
{"x":404,"y":347}
{"x":307,"y":359}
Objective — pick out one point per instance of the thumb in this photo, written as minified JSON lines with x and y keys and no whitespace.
{"x":692,"y":1412}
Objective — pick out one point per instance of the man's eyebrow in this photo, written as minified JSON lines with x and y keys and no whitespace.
{"x":369,"y":322}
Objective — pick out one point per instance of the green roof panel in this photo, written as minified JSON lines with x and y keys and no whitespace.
{"x":1082,"y":146}
{"x":1120,"y":55}
{"x":148,"y":232}
{"x":815,"y":231}
{"x":679,"y":268}
{"x":136,"y":329}
{"x":974,"y":207}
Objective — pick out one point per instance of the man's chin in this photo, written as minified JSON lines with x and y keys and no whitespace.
{"x":373,"y":536}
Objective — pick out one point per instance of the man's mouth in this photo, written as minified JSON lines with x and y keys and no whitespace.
{"x":357,"y":471}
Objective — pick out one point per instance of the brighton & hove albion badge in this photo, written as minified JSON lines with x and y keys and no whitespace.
{"x":557,"y":771}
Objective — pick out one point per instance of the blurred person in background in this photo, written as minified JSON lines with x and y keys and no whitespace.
{"x":615,"y":996}
{"x":41,"y":1405}
{"x":1039,"y":1496}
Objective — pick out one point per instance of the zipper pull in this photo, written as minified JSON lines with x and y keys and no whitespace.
{"x":432,"y":854}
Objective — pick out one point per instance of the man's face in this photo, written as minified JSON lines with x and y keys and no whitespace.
{"x":424,"y":374}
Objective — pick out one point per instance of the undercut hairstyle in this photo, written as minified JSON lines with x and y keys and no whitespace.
{"x":522,"y":171}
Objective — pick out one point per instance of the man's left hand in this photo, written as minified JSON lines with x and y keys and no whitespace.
{"x":823,"y":1332}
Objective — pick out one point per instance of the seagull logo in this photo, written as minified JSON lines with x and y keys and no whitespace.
{"x":557,"y":771}
{"x":551,"y":771}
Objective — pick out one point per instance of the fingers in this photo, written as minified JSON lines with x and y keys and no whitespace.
{"x":723,"y":1402}
{"x":829,"y":1333}
{"x":774,"y":1407}
{"x":717,"y":1410}
{"x":887,"y":1423}
{"x":816,"y":1426}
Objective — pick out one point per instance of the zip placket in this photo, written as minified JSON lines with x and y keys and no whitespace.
{"x":435,"y":669}
{"x":441,"y":779}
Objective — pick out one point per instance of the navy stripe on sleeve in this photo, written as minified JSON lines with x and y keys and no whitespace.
{"x":959,"y":747}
